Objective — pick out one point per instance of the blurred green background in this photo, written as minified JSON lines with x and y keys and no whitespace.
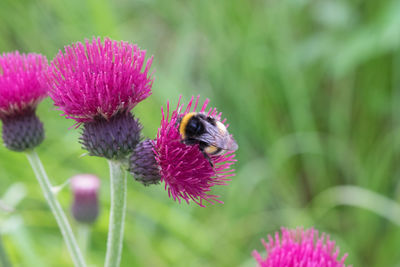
{"x":311,"y":90}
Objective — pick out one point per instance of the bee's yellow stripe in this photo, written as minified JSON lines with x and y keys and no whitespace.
{"x":184,"y":122}
{"x":211,"y":150}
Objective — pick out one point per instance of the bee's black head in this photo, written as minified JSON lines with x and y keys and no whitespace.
{"x":194,"y":127}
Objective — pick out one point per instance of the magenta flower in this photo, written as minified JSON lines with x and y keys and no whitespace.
{"x":97,"y":84}
{"x":20,"y":89}
{"x":99,"y":79}
{"x":85,"y":188}
{"x":300,"y":248}
{"x":184,"y":169}
{"x":20,"y":93}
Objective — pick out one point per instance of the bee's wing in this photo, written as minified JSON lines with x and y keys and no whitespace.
{"x":219,"y":138}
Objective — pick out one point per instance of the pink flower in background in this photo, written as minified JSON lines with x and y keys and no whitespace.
{"x":85,"y":190}
{"x":300,"y":247}
{"x":99,"y":79}
{"x":20,"y":89}
{"x":184,"y":169}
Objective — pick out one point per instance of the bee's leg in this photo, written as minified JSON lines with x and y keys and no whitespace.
{"x":208,"y":158}
{"x":190,"y":141}
{"x":202,"y":146}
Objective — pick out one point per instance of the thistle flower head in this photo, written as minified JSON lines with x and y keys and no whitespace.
{"x":300,"y":247}
{"x":20,"y":89}
{"x":97,"y":84}
{"x":98,"y":79}
{"x":184,"y":169}
{"x":20,"y":92}
{"x":85,"y":206}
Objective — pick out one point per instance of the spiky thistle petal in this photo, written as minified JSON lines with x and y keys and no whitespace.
{"x":98,"y":79}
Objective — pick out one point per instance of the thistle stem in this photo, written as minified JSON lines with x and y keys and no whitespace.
{"x":117,"y":214}
{"x":5,"y":262}
{"x":55,"y":207}
{"x":84,"y":231}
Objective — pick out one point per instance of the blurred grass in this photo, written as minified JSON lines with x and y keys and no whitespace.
{"x":311,"y":90}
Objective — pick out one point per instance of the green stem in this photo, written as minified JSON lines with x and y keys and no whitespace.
{"x":5,"y":262}
{"x":84,"y":231}
{"x":117,"y":214}
{"x":55,"y":207}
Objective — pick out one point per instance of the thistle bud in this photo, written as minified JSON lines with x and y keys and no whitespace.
{"x":85,"y":206}
{"x":143,"y":165}
{"x":23,"y":131}
{"x":114,"y":138}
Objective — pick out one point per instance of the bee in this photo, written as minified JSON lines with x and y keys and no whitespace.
{"x":210,"y":134}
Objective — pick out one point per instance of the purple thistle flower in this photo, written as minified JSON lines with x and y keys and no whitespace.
{"x":184,"y":169}
{"x":300,"y":247}
{"x":99,"y":79}
{"x":97,"y":84}
{"x":20,"y":93}
{"x":85,"y":206}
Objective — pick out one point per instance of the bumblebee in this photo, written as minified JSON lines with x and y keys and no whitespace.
{"x":210,"y":134}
